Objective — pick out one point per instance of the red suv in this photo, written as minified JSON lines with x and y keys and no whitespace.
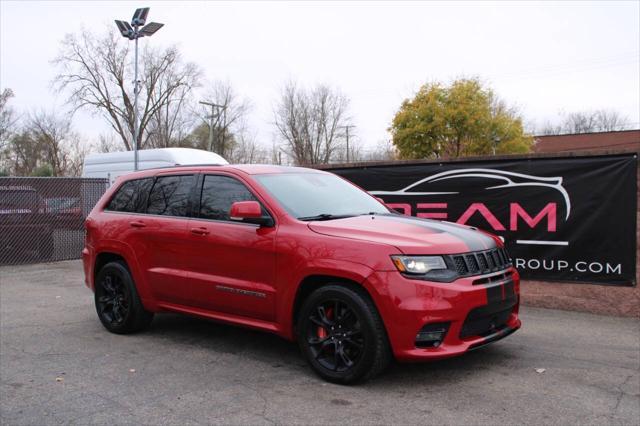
{"x":301,"y":253}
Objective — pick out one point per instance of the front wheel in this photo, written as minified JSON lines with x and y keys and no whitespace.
{"x":117,"y":302}
{"x":342,"y":335}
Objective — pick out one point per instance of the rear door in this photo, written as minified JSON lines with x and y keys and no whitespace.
{"x":231,"y":264}
{"x":163,"y":238}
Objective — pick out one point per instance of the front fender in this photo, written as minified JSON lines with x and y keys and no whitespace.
{"x":340,"y":269}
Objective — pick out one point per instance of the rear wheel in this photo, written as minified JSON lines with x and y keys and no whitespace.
{"x":117,"y":302}
{"x":342,"y":336}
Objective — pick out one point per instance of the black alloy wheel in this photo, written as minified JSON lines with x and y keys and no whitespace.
{"x":113,"y":304}
{"x":117,"y":302}
{"x":334,"y":335}
{"x":341,"y":334}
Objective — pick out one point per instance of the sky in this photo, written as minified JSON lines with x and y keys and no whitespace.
{"x":545,"y":58}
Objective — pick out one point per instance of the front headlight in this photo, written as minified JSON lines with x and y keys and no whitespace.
{"x":418,"y":265}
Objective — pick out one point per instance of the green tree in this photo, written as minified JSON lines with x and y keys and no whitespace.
{"x":43,"y":171}
{"x":462,"y":119}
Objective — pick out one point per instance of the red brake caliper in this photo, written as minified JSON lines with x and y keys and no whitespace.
{"x":322,"y":333}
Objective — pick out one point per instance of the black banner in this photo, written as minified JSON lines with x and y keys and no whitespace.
{"x":563,"y":219}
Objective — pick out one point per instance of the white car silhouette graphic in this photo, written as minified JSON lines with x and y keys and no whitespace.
{"x":503,"y":179}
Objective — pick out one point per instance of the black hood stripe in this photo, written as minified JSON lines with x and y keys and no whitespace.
{"x":474,"y":240}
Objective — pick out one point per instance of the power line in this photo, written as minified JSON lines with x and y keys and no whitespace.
{"x":578,"y":66}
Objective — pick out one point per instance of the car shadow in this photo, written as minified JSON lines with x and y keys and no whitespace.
{"x":280,"y":353}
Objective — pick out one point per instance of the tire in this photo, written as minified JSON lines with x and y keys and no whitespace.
{"x":338,"y":324}
{"x":117,"y":302}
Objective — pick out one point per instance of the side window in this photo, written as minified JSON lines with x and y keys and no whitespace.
{"x":131,"y":197}
{"x":218,"y":193}
{"x":170,"y":195}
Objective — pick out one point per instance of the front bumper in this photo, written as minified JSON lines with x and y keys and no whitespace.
{"x":479,"y":310}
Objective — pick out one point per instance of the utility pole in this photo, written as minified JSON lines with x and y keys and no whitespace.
{"x":496,"y":141}
{"x":347,"y":127}
{"x":211,"y":123}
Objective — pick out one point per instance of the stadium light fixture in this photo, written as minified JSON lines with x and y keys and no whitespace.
{"x":133,"y":31}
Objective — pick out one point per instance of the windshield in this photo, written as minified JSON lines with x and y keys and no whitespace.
{"x":319,"y":196}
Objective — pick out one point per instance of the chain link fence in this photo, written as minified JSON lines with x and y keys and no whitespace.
{"x":42,"y":219}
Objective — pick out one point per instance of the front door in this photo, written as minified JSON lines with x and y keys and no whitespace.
{"x":231,"y":264}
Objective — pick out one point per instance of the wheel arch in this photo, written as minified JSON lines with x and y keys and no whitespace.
{"x":111,"y":254}
{"x":312,"y":282}
{"x":106,"y":257}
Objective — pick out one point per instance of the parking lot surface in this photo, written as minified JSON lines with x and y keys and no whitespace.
{"x":58,"y":365}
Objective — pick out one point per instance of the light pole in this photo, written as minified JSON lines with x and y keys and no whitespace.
{"x":134,"y":31}
{"x":211,"y":117}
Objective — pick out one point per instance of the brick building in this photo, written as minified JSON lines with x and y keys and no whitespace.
{"x":600,"y":141}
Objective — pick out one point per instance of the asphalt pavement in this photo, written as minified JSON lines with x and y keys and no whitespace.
{"x":58,"y":365}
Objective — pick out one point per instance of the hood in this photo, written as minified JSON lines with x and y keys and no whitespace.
{"x":410,"y":235}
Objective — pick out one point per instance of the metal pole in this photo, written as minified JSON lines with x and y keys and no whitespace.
{"x":211,"y":129}
{"x":347,"y":129}
{"x":212,"y":123}
{"x":223,"y":139}
{"x":135,"y":107}
{"x":347,"y":144}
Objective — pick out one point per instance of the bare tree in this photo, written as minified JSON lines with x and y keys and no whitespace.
{"x":8,"y":121}
{"x":77,"y":151}
{"x":171,"y":123}
{"x":609,"y":121}
{"x":311,"y":122}
{"x":229,"y":119}
{"x":108,"y":142}
{"x":246,"y":150}
{"x":587,"y":122}
{"x":383,"y":151}
{"x":356,"y":152}
{"x":95,"y":70}
{"x":60,"y":146}
{"x":8,"y":118}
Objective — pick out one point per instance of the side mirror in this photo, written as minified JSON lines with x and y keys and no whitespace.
{"x":249,"y":212}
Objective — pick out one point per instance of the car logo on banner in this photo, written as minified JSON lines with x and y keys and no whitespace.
{"x":487,"y":184}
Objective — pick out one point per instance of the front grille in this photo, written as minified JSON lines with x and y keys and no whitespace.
{"x":461,"y":268}
{"x":481,"y":262}
{"x":472,"y":263}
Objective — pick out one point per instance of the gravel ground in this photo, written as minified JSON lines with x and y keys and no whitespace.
{"x":58,"y":365}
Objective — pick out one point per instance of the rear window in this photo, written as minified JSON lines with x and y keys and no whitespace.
{"x":131,"y":197}
{"x":170,"y":195}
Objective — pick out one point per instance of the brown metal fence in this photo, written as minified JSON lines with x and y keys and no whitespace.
{"x":42,"y":219}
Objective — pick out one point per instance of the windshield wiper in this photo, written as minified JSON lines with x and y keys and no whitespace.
{"x":325,"y":216}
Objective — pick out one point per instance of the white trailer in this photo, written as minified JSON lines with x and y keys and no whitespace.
{"x":110,"y":165}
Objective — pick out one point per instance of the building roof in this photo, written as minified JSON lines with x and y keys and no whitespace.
{"x":600,"y":141}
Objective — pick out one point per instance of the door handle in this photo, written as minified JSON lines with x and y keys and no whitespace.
{"x":200,"y":231}
{"x":137,"y":224}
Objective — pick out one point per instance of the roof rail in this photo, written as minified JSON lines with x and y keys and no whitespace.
{"x":185,"y":165}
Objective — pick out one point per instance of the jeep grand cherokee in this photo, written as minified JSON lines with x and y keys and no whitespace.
{"x":300,"y":253}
